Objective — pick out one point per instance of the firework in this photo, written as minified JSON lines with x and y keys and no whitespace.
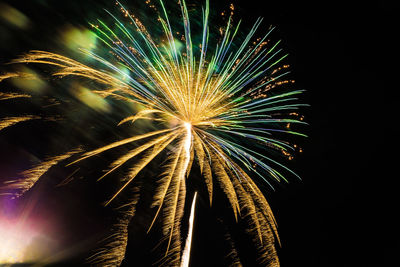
{"x":208,"y":102}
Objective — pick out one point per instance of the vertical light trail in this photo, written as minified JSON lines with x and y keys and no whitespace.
{"x":186,"y":251}
{"x":187,"y":144}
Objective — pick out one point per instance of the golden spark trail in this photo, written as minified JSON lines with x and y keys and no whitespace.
{"x":31,"y":176}
{"x":5,"y":96}
{"x":10,"y":121}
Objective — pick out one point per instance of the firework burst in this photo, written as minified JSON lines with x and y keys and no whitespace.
{"x":208,"y":105}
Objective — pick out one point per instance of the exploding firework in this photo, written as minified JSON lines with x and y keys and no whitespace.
{"x":211,"y":105}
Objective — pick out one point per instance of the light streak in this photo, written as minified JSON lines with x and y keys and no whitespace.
{"x":188,"y":245}
{"x":187,"y":145}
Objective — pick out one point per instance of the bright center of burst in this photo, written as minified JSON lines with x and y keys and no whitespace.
{"x":188,"y":126}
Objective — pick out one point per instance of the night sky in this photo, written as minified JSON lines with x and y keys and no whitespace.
{"x":342,"y":213}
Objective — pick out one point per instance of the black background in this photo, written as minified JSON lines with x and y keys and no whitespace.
{"x":343,"y":212}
